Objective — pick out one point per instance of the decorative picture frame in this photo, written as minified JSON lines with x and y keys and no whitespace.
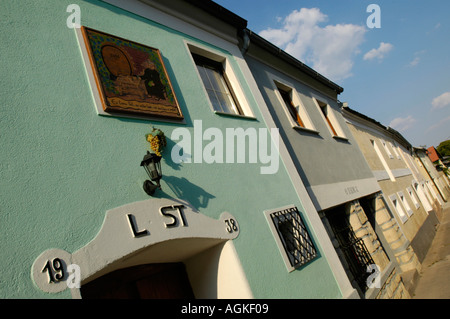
{"x":130,"y":77}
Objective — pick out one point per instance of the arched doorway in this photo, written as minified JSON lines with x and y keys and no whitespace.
{"x":150,"y":281}
{"x":163,"y":236}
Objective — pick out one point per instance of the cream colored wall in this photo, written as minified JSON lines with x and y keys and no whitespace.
{"x":399,"y":167}
{"x":399,"y":245}
{"x":413,"y":222}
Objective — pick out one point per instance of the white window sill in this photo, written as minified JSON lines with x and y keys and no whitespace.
{"x":340,"y":138}
{"x":305,"y":129}
{"x":236,"y":115}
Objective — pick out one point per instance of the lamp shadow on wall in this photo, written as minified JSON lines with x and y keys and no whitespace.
{"x":184,"y":189}
{"x":180,"y":186}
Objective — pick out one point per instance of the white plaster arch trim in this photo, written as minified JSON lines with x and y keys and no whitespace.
{"x":150,"y":231}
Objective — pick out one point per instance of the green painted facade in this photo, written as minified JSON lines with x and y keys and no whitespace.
{"x":63,"y":165}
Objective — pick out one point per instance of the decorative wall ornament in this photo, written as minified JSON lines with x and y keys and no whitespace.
{"x":130,"y":77}
{"x":157,"y":141}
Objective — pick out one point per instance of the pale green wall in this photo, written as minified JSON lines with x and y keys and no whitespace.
{"x":63,"y":166}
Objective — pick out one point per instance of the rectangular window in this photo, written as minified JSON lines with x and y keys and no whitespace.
{"x":291,"y":107}
{"x":398,"y":208}
{"x":386,"y":148}
{"x":324,"y":109}
{"x":217,"y":85}
{"x":329,"y":118}
{"x":394,"y":148}
{"x":383,"y":161}
{"x":405,"y":203}
{"x":413,"y":197}
{"x":292,"y":236}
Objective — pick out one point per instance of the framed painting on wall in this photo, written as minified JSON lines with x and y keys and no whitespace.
{"x":130,"y":77}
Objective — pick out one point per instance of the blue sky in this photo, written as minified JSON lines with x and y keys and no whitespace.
{"x":398,"y":74}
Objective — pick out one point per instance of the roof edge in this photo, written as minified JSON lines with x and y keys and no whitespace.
{"x":388,"y":129}
{"x":220,"y":13}
{"x":265,"y":44}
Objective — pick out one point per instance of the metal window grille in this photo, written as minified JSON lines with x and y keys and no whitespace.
{"x":355,"y":251}
{"x":294,"y":236}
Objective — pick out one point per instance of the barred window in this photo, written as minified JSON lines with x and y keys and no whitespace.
{"x":292,"y":236}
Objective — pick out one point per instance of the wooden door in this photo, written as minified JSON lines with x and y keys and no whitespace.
{"x":152,"y":281}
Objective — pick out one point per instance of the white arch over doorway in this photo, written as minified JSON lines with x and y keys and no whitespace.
{"x":159,"y":231}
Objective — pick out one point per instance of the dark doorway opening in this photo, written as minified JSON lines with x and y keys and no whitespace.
{"x":353,"y":248}
{"x":151,"y":281}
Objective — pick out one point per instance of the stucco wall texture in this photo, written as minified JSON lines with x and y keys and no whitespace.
{"x":63,"y":166}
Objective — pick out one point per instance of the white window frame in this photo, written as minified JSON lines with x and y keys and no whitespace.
{"x":383,"y":142}
{"x":383,"y":161}
{"x":396,"y":203}
{"x":320,"y":104}
{"x":413,"y":197}
{"x":394,"y":148}
{"x":234,"y":84}
{"x":422,"y":196}
{"x":298,"y":105}
{"x":405,"y":203}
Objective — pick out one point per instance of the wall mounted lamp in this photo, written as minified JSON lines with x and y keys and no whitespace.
{"x":152,"y":165}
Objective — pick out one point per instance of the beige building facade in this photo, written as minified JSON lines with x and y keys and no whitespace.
{"x":407,"y":206}
{"x":436,"y":181}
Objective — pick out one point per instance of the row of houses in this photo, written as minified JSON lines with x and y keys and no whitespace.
{"x":265,"y":185}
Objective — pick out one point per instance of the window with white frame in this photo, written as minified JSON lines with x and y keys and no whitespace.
{"x":413,"y":197}
{"x":398,"y":208}
{"x":220,"y":83}
{"x":294,"y":107}
{"x":394,"y":148}
{"x":383,"y":161}
{"x":329,"y":118}
{"x":386,"y":148}
{"x":405,"y":203}
{"x":422,"y":196}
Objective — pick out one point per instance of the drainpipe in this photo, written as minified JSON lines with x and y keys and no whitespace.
{"x":246,"y":40}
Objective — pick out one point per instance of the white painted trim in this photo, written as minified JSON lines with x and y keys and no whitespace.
{"x":413,"y":197}
{"x":307,"y":85}
{"x":396,"y":203}
{"x":329,"y":195}
{"x":404,"y":201}
{"x":394,"y":148}
{"x":332,"y":118}
{"x":383,"y":161}
{"x":381,"y":175}
{"x":298,"y":104}
{"x":383,"y":142}
{"x":218,"y":274}
{"x":317,"y":226}
{"x":145,"y":232}
{"x":236,"y":86}
{"x":430,"y":188}
{"x":422,"y":196}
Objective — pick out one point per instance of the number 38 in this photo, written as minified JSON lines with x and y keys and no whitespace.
{"x":231,"y":225}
